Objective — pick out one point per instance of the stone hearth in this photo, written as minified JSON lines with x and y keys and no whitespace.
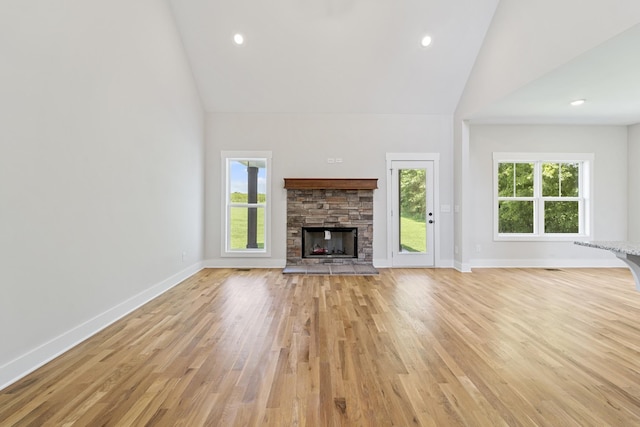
{"x":330,"y":203}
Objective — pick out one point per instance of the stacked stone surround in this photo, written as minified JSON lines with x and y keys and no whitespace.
{"x":329,"y":208}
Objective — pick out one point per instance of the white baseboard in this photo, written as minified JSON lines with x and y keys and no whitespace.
{"x":446,"y":263}
{"x":462,"y":268}
{"x":386,"y":263}
{"x":547,"y":263}
{"x":381,"y":263}
{"x":32,"y":360}
{"x":244,"y":263}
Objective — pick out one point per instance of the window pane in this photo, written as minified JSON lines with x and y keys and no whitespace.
{"x":247,"y":179}
{"x":515,"y":179}
{"x":515,"y":217}
{"x":524,"y":179}
{"x":505,"y":179}
{"x":560,"y":179}
{"x":570,"y":180}
{"x":550,"y":179}
{"x":413,"y":210}
{"x":561,"y":217}
{"x":246,"y":228}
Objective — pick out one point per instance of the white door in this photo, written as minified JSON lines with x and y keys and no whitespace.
{"x":412,"y":213}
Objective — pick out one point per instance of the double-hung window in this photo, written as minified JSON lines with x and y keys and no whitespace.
{"x":541,"y":196}
{"x":246,"y":180}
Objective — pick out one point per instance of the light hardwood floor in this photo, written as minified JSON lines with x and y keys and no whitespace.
{"x":518,"y":347}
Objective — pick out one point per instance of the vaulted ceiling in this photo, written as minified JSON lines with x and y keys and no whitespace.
{"x":359,"y":56}
{"x":332,"y":56}
{"x":606,"y":77}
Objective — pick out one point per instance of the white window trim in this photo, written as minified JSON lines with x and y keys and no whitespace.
{"x":225,"y":156}
{"x":586,"y":185}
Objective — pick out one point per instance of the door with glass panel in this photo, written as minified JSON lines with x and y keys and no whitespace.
{"x":412,"y":213}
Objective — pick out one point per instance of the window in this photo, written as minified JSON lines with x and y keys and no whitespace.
{"x":246,"y":204}
{"x":541,"y":196}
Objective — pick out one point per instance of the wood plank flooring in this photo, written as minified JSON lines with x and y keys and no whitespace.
{"x":408,"y":347}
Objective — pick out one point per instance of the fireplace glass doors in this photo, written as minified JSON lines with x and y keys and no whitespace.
{"x":323,"y":242}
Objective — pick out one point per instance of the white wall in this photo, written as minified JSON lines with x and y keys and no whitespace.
{"x":101,"y":169}
{"x":634,"y":184}
{"x":515,"y":52}
{"x":609,"y":196}
{"x":301,"y":144}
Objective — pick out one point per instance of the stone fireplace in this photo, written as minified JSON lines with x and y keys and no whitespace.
{"x":330,"y":223}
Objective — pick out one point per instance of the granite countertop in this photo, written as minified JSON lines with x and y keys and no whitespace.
{"x":629,"y":248}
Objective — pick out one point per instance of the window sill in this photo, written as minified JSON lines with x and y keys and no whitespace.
{"x":546,"y":238}
{"x":245,"y":254}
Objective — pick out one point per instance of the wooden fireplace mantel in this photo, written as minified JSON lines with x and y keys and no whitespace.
{"x":331,"y":183}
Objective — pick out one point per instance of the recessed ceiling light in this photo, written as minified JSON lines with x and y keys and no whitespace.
{"x":238,"y":39}
{"x":577,"y":102}
{"x":426,"y":41}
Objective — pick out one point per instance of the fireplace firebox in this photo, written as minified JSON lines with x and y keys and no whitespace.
{"x":329,"y":242}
